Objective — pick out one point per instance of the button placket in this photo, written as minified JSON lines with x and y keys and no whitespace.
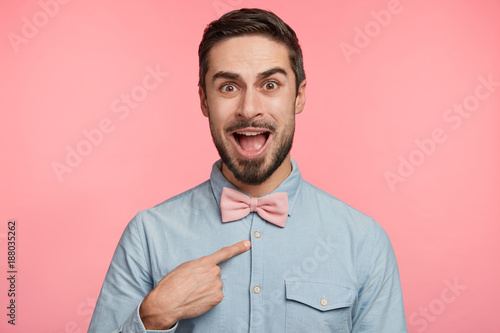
{"x":257,"y":274}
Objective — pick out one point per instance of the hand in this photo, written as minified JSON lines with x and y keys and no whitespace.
{"x":189,"y":290}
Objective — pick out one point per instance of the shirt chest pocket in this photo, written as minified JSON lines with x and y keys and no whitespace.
{"x":313,"y":306}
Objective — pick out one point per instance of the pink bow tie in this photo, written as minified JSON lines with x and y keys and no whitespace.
{"x":235,"y":205}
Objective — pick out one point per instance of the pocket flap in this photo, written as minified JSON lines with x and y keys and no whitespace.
{"x":319,"y":295}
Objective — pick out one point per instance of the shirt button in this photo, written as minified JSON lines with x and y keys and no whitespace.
{"x":257,"y":234}
{"x":324,"y":302}
{"x":256,"y":289}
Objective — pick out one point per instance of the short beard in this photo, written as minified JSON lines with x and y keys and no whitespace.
{"x":252,"y":172}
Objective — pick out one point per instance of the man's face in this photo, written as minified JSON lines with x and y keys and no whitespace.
{"x":251,"y":104}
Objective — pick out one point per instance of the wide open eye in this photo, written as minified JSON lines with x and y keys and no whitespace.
{"x":228,"y":88}
{"x":270,"y":85}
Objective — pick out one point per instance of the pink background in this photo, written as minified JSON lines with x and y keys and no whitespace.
{"x":64,"y":73}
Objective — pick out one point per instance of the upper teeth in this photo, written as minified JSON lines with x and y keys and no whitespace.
{"x":249,"y":133}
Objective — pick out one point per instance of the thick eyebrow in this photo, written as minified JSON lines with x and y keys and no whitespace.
{"x":270,"y":72}
{"x":225,"y":75}
{"x":260,"y":76}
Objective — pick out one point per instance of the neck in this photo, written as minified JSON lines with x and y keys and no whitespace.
{"x":266,"y":187}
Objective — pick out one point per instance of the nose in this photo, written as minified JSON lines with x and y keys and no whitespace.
{"x":250,"y":105}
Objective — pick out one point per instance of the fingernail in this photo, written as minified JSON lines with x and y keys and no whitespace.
{"x":247,"y":244}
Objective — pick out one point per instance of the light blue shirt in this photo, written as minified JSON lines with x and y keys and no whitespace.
{"x":330,"y":269}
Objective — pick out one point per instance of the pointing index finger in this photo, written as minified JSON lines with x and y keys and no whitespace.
{"x":228,"y":252}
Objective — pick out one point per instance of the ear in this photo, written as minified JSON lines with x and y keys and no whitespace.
{"x":203,"y":102}
{"x":300,"y":100}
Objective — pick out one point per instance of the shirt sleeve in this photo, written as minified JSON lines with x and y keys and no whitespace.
{"x":127,"y":282}
{"x":380,"y":300}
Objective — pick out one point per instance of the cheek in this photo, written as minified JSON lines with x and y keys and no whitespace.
{"x":222,"y":111}
{"x":280,"y":108}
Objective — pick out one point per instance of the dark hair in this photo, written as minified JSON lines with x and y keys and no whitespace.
{"x":253,"y":21}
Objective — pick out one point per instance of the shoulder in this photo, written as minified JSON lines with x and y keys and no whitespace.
{"x":179,"y":206}
{"x":346,"y":220}
{"x":330,"y":204}
{"x":201,"y":192}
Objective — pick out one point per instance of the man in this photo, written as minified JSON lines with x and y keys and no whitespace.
{"x":255,"y":248}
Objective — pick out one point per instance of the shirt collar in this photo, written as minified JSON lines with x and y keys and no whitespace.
{"x":291,"y":185}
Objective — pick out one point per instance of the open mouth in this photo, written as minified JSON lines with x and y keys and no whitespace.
{"x":251,"y":142}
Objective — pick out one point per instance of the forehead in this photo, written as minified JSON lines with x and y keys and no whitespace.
{"x":248,"y":55}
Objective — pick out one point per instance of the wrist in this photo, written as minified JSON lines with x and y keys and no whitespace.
{"x":152,"y":319}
